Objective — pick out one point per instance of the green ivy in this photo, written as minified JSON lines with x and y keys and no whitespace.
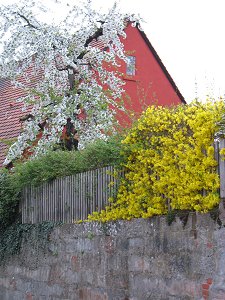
{"x":13,"y":237}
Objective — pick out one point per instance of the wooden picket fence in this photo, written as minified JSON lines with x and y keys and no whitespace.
{"x":73,"y":197}
{"x":70,"y":198}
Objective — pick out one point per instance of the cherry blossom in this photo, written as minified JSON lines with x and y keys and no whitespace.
{"x":69,"y":58}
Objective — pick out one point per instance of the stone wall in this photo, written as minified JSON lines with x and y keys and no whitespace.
{"x":136,"y":260}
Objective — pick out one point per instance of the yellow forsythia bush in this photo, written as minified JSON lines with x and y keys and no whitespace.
{"x":169,"y":162}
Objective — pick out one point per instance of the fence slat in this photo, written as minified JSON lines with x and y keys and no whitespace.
{"x":68,"y":199}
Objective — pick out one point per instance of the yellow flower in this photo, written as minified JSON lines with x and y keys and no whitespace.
{"x":169,"y":159}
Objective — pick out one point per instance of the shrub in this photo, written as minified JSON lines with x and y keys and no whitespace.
{"x":63,"y":163}
{"x":50,"y":166}
{"x":9,"y":200}
{"x":169,"y":162}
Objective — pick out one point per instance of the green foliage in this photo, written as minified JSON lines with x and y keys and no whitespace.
{"x":215,"y":215}
{"x":9,"y":199}
{"x":171,"y":217}
{"x":181,"y":214}
{"x":12,"y":238}
{"x":46,"y":168}
{"x":63,"y":163}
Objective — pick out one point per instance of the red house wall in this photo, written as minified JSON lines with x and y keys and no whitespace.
{"x":152,"y":83}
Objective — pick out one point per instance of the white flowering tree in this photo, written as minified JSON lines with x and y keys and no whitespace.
{"x":69,"y":57}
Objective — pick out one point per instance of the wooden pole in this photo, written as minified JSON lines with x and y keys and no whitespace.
{"x":222,"y":171}
{"x":222,"y":182}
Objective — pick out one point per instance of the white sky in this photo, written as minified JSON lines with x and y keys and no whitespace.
{"x":189,"y":37}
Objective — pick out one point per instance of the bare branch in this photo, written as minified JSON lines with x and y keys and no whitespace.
{"x":95,"y":36}
{"x":28,"y":22}
{"x":27,"y":118}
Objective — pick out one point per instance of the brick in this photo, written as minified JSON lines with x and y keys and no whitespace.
{"x":205,"y":294}
{"x":88,"y":294}
{"x":205,"y":286}
{"x":13,"y":284}
{"x":29,"y":296}
{"x":110,"y":245}
{"x":209,"y":245}
{"x":75,"y":263}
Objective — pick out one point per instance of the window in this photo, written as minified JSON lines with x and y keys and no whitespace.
{"x":131,"y":62}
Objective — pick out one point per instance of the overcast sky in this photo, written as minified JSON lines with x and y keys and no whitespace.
{"x":189,"y":37}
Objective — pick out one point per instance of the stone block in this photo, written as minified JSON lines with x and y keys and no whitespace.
{"x":117,"y":262}
{"x":138,"y":263}
{"x":92,"y":294}
{"x":136,"y":260}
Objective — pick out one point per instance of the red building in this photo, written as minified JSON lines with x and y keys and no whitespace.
{"x":146,"y":79}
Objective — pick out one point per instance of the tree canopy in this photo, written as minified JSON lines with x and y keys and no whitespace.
{"x":69,"y":57}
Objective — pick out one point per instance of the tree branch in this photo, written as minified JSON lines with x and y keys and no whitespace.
{"x":95,"y":36}
{"x":71,"y":70}
{"x":28,"y":22}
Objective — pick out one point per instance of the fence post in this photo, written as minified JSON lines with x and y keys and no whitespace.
{"x":222,"y":170}
{"x":222,"y":178}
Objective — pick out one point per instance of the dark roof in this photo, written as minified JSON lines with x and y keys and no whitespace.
{"x":162,"y":66}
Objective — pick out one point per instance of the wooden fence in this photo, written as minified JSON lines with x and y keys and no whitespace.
{"x":70,"y":198}
{"x":73,"y":197}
